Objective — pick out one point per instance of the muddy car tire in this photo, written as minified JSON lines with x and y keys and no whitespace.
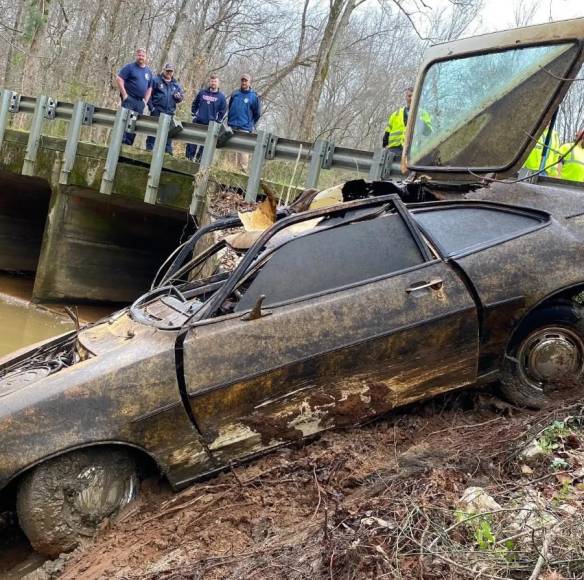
{"x":65,"y":499}
{"x":545,"y":359}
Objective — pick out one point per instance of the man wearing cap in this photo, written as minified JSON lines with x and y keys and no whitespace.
{"x":135,"y":84}
{"x":395,"y":132}
{"x":166,"y":94}
{"x":209,"y":105}
{"x":244,"y":112}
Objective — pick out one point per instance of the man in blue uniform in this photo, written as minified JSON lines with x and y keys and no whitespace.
{"x":244,"y":113}
{"x":244,"y":107}
{"x":209,"y":105}
{"x":135,"y":84}
{"x":166,"y":94}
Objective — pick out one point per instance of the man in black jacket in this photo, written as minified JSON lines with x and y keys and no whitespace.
{"x":166,"y":94}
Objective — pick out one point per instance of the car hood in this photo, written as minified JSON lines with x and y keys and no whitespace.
{"x":33,"y":364}
{"x":481,"y":103}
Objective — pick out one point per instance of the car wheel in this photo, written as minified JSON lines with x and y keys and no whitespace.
{"x":65,"y":499}
{"x":546,"y":358}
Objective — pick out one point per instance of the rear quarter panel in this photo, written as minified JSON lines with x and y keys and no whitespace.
{"x":514,"y":276}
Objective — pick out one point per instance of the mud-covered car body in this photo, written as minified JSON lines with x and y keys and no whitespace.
{"x":222,"y":388}
{"x":333,"y":315}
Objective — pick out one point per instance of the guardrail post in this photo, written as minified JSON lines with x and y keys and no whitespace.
{"x":5,"y":102}
{"x":157,"y":158}
{"x":113,"y":154}
{"x":320,"y":157}
{"x":258,"y":159}
{"x":202,"y":178}
{"x":34,"y":137}
{"x":73,"y":136}
{"x":381,"y":164}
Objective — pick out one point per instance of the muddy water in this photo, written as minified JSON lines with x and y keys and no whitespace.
{"x":22,"y":324}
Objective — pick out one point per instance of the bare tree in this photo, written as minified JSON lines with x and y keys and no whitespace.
{"x":81,"y":68}
{"x":337,"y":21}
{"x":524,"y":12}
{"x":571,"y":113}
{"x":13,"y":32}
{"x":180,"y":15}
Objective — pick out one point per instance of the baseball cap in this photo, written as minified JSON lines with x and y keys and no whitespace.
{"x":246,"y":77}
{"x":168,"y":66}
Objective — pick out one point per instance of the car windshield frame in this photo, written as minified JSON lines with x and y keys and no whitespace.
{"x":556,"y":33}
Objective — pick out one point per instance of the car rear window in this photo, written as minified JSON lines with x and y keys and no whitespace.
{"x":456,"y":230}
{"x":332,"y":258}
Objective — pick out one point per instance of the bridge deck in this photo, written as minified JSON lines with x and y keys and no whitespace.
{"x":84,"y":245}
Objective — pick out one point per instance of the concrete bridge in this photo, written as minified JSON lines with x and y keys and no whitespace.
{"x":94,"y":222}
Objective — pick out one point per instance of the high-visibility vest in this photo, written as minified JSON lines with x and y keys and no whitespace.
{"x":396,"y":127}
{"x":573,"y":163}
{"x":533,"y":162}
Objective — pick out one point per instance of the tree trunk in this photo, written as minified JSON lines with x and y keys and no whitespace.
{"x":170,"y":37}
{"x":338,"y":19}
{"x":10,"y":76}
{"x":80,"y":73}
{"x":36,"y":29}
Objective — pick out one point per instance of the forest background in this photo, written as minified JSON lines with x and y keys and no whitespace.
{"x":332,"y":69}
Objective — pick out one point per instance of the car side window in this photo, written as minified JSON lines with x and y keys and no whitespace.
{"x":462,"y":229}
{"x":325,"y":259}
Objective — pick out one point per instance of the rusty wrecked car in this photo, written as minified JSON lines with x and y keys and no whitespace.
{"x":332,"y":315}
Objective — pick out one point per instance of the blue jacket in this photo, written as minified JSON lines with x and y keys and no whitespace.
{"x":244,"y":110}
{"x":208,"y":106}
{"x":165,"y":96}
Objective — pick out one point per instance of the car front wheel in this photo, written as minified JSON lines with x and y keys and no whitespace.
{"x":546,"y":358}
{"x":65,"y":499}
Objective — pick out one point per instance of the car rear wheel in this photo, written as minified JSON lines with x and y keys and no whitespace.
{"x":545,"y":360}
{"x":65,"y":499}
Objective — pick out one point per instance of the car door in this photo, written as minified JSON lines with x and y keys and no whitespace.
{"x":356,"y":321}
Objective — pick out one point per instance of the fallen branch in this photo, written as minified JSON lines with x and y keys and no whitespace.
{"x":543,"y":555}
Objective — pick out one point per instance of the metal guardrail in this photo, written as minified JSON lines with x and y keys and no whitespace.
{"x":262,"y":146}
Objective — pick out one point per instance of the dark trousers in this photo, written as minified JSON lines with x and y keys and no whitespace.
{"x":136,"y":105}
{"x":192,"y":151}
{"x":150,"y":139}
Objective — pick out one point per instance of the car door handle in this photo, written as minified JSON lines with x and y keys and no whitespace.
{"x":434,"y":284}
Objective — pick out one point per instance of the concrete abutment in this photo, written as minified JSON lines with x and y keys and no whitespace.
{"x":101,"y":250}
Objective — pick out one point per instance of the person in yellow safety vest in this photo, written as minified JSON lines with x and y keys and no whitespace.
{"x":395,"y":132}
{"x":533,"y":162}
{"x":573,"y":162}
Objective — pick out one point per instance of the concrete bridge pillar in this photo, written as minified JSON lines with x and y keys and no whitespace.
{"x":96,"y":249}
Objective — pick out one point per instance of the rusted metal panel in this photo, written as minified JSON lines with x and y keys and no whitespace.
{"x":127,"y":394}
{"x":329,"y":361}
{"x":531,"y":268}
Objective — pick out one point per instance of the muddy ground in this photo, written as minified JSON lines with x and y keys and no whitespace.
{"x":377,"y":501}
